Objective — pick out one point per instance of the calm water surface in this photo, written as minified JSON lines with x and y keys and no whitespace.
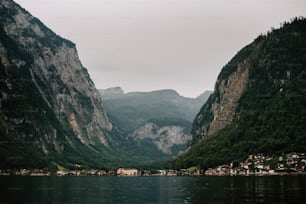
{"x":272,"y":189}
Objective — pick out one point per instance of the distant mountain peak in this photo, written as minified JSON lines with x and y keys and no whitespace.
{"x":204,"y":96}
{"x":112,"y":91}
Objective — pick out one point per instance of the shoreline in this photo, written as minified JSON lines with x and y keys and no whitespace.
{"x":154,"y":175}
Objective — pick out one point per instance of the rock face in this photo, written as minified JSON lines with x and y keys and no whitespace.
{"x":224,"y":100}
{"x":170,"y":140}
{"x":45,"y":87}
{"x":230,"y":92}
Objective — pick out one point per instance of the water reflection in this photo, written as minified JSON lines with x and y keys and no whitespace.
{"x":272,"y":189}
{"x":276,"y":189}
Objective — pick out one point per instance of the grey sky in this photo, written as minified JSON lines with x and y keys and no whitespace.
{"x":157,"y":44}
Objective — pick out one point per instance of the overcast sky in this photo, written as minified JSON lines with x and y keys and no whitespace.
{"x":145,"y":45}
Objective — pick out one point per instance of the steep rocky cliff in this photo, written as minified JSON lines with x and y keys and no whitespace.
{"x":258,"y":105}
{"x":232,"y":82}
{"x":48,"y":101}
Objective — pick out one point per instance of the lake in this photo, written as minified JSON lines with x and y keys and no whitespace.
{"x":206,"y":189}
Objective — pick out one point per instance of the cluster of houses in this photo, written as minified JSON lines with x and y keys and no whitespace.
{"x":135,"y":172}
{"x":24,"y":172}
{"x":168,"y":172}
{"x":260,"y":164}
{"x":92,"y":172}
{"x":40,"y":172}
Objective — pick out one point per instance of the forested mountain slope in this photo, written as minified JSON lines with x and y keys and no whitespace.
{"x":259,"y":102}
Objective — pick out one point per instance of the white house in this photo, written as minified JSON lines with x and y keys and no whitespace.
{"x":127,"y":172}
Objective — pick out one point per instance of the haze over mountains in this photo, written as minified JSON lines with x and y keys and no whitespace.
{"x":129,"y":110}
{"x":52,"y":115}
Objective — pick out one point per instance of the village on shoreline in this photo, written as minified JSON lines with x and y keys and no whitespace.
{"x":258,"y":165}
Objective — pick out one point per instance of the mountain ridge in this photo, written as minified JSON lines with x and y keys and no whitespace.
{"x":157,"y":117}
{"x":165,"y":103}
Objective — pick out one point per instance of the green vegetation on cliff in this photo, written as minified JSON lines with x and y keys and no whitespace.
{"x":270,"y":116}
